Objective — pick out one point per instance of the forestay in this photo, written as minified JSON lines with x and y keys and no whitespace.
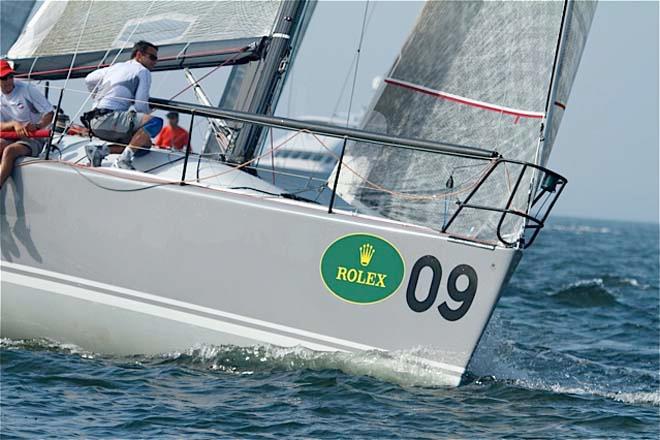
{"x":190,"y":33}
{"x":579,"y":15}
{"x":470,"y":73}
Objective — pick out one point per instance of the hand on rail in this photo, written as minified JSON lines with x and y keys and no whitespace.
{"x":23,"y":129}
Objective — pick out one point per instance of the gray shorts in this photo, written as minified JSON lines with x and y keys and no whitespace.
{"x":35,"y":145}
{"x":117,"y":126}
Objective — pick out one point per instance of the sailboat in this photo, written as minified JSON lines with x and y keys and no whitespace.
{"x":430,"y":207}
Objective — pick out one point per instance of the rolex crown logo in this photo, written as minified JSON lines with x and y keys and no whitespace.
{"x":366,"y":253}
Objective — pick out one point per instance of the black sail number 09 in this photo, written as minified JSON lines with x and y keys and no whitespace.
{"x":465,"y":296}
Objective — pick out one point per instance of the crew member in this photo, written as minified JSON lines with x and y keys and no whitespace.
{"x":172,"y":136}
{"x":115,"y":89}
{"x":23,"y":109}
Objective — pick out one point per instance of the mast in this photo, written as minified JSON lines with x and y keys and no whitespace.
{"x":268,"y":76}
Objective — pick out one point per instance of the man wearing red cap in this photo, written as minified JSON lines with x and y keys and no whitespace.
{"x":23,"y":109}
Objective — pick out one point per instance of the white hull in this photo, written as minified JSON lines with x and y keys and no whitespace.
{"x":124,"y":272}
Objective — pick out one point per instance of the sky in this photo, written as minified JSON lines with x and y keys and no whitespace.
{"x":608,"y":141}
{"x":608,"y":144}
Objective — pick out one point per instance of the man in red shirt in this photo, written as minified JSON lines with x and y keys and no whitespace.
{"x":172,"y":136}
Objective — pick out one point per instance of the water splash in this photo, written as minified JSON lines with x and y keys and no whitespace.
{"x":404,"y":368}
{"x":401,"y":367}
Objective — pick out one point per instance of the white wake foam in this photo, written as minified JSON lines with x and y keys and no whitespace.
{"x":632,"y":397}
{"x":403,"y":368}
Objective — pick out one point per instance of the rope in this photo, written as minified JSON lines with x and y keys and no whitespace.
{"x":367,"y":183}
{"x":436,"y":196}
{"x":75,"y":52}
{"x":357,"y":62}
{"x":196,"y":83}
{"x":350,"y":68}
{"x":111,"y":63}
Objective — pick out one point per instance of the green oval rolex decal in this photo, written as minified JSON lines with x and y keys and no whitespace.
{"x":362,"y":268}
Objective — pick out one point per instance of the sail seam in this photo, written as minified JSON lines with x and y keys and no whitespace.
{"x":467,"y":101}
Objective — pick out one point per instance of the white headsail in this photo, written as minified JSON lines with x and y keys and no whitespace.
{"x":471,"y":73}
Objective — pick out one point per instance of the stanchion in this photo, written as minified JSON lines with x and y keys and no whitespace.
{"x":334,"y":186}
{"x":52,"y":129}
{"x":185,"y":161}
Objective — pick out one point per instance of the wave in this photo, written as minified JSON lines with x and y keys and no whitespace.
{"x":579,"y":229}
{"x":44,"y":344}
{"x":631,"y":397}
{"x":615,"y":281}
{"x":399,"y":367}
{"x":586,"y":293}
{"x":507,"y":373}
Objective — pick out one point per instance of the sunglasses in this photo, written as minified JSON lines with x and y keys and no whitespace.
{"x":151,"y":56}
{"x":6,"y":77}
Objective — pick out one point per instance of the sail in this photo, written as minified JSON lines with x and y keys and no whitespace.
{"x":471,"y":73}
{"x":188,"y":33}
{"x":256,"y":87}
{"x":13,"y":15}
{"x":579,"y":15}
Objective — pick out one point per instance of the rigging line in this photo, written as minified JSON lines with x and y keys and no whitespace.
{"x":68,"y":75}
{"x":357,"y":62}
{"x":368,"y":183}
{"x":75,"y":52}
{"x":350,"y":68}
{"x":254,"y":159}
{"x":556,"y":57}
{"x":343,"y":86}
{"x":80,"y":109}
{"x":107,"y":188}
{"x":196,"y":83}
{"x":375,"y":186}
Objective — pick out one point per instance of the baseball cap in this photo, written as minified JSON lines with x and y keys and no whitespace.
{"x":5,"y":68}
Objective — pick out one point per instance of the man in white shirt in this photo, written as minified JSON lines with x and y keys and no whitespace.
{"x":23,"y":109}
{"x":115,"y":89}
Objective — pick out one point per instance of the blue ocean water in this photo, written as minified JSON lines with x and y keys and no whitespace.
{"x":572,"y":351}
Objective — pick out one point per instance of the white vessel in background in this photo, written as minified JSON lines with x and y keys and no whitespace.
{"x":307,"y":154}
{"x":407,"y":247}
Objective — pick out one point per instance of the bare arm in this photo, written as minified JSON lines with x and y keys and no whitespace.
{"x":8,"y":126}
{"x":45,"y":120}
{"x":24,"y":129}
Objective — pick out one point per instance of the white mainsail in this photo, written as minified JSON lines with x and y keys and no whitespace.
{"x":472,"y":73}
{"x":55,"y":29}
{"x":189,"y":33}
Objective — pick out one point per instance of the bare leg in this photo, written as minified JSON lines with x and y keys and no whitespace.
{"x":9,"y":154}
{"x":140,"y":142}
{"x":3,"y":144}
{"x":141,"y":138}
{"x":116,"y":149}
